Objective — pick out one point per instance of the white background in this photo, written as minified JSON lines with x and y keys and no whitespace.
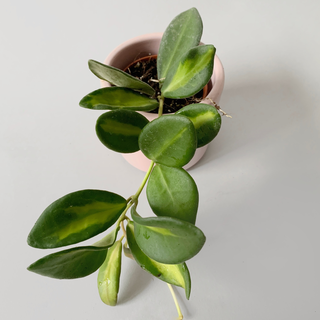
{"x":259,"y":181}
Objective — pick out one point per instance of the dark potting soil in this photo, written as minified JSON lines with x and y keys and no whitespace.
{"x":147,"y":71}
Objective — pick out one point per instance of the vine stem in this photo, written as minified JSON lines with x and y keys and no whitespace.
{"x":123,"y":214}
{"x":175,"y":302}
{"x":123,"y":230}
{"x":219,"y":109}
{"x":133,"y":199}
{"x":136,"y":196}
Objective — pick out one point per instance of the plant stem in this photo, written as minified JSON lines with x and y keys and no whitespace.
{"x":161,"y":102}
{"x":136,"y":196}
{"x":123,"y":214}
{"x":123,"y":229}
{"x":175,"y":301}
{"x":133,"y":199}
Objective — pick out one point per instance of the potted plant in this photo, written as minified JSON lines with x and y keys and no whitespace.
{"x":148,"y":46}
{"x":162,"y":243}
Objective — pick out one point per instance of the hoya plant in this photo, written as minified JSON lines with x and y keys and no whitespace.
{"x":162,"y":242}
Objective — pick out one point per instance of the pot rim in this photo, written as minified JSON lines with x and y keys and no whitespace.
{"x":143,"y":38}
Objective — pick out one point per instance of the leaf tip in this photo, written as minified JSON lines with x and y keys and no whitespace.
{"x":30,"y":240}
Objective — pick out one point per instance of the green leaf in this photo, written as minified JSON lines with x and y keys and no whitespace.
{"x":109,"y":239}
{"x":183,"y":33}
{"x":70,"y":264}
{"x":206,"y":120}
{"x":167,"y":240}
{"x":191,"y":74}
{"x":119,"y":130}
{"x":109,"y":275}
{"x":169,"y":140}
{"x":173,"y":193}
{"x":118,"y":77}
{"x":118,"y":98}
{"x":176,"y":274}
{"x":76,"y":217}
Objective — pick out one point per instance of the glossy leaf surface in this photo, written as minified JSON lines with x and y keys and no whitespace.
{"x":118,"y":98}
{"x":118,"y":77}
{"x":192,"y":73}
{"x":70,"y":264}
{"x":206,"y":120}
{"x":109,"y":275}
{"x":176,"y":274}
{"x":183,"y":33}
{"x":167,"y":240}
{"x":76,"y":217}
{"x":173,"y":193}
{"x":119,"y":130}
{"x":169,"y":140}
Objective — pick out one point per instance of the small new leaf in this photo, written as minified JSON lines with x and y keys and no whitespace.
{"x":109,"y":275}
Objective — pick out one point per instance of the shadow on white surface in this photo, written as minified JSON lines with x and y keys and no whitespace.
{"x":135,"y":282}
{"x":263,"y":110}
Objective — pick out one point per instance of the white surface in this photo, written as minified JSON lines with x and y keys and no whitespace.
{"x":259,"y":181}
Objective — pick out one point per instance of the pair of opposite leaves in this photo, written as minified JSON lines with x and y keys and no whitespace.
{"x":83,"y":214}
{"x":170,"y":140}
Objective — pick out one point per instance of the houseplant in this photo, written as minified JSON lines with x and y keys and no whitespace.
{"x":160,"y":244}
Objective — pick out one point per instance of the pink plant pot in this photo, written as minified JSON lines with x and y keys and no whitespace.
{"x":149,"y":44}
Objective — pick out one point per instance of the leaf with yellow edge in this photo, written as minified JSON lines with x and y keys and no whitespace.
{"x":206,"y":120}
{"x":176,"y":274}
{"x":109,"y":275}
{"x":167,"y":240}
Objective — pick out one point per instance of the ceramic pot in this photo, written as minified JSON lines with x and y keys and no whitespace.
{"x":145,"y":45}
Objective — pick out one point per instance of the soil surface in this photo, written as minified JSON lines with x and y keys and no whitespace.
{"x":147,"y":71}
